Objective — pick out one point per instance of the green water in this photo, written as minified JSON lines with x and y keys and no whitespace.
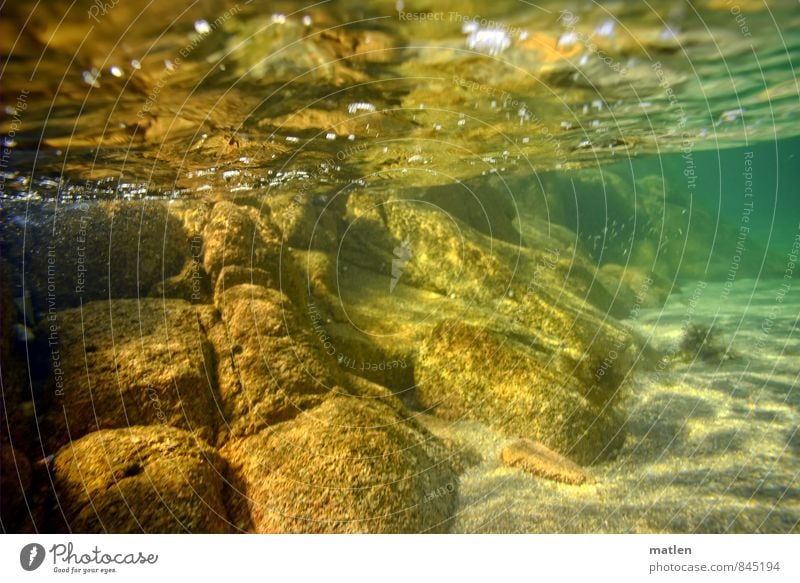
{"x":407,"y":232}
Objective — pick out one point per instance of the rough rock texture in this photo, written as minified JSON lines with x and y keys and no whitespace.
{"x":270,"y":367}
{"x":191,"y":284}
{"x":350,"y":465}
{"x":469,"y":261}
{"x":304,"y":220}
{"x":233,"y":275}
{"x":469,"y":372}
{"x":130,"y":362}
{"x":540,"y":461}
{"x":152,"y":479}
{"x":298,"y":347}
{"x":234,"y":236}
{"x":95,"y":251}
{"x":557,"y":376}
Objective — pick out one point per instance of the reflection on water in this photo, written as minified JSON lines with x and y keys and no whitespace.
{"x":231,"y":96}
{"x":328,"y":260}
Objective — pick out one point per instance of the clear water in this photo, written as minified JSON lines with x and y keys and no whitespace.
{"x":656,"y":139}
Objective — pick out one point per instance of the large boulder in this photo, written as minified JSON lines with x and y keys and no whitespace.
{"x":469,"y":372}
{"x":270,"y":367}
{"x":352,"y":465}
{"x":458,"y":291}
{"x":236,"y":236}
{"x":128,"y":362}
{"x":447,"y":256}
{"x":154,"y":479}
{"x":86,"y":252}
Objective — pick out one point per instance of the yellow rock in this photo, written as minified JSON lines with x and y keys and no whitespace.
{"x":541,"y":461}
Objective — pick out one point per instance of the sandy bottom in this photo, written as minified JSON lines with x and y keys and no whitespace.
{"x":711,"y":446}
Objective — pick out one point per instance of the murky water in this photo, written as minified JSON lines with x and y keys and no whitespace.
{"x":573,"y":222}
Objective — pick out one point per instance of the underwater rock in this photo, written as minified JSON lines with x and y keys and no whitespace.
{"x":128,"y":362}
{"x":541,"y":461}
{"x":489,"y":209}
{"x":571,"y":357}
{"x":388,"y":364}
{"x":191,"y":284}
{"x":464,"y":371}
{"x":234,"y":235}
{"x":454,"y":258}
{"x":95,"y":252}
{"x":270,"y":367}
{"x":309,"y":277}
{"x":495,"y":211}
{"x":635,"y":287}
{"x":352,"y":465}
{"x":233,"y":275}
{"x":304,"y":220}
{"x":444,"y":260}
{"x":154,"y":479}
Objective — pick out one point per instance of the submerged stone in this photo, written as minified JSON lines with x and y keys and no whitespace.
{"x":269,"y":369}
{"x":465,"y":371}
{"x":352,"y":465}
{"x":541,"y":461}
{"x":97,"y":251}
{"x":154,"y":479}
{"x":128,"y":362}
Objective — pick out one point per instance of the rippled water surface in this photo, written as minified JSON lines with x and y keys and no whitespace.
{"x":217,"y":96}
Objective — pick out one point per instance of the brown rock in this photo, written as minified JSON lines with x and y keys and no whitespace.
{"x":467,"y":372}
{"x":304,"y":220}
{"x":233,"y":275}
{"x":234,"y":235}
{"x":636,"y":288}
{"x":541,"y":461}
{"x":352,"y":465}
{"x":153,"y":479}
{"x":96,"y":251}
{"x":129,"y":362}
{"x":270,"y":367}
{"x":192,"y":284}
